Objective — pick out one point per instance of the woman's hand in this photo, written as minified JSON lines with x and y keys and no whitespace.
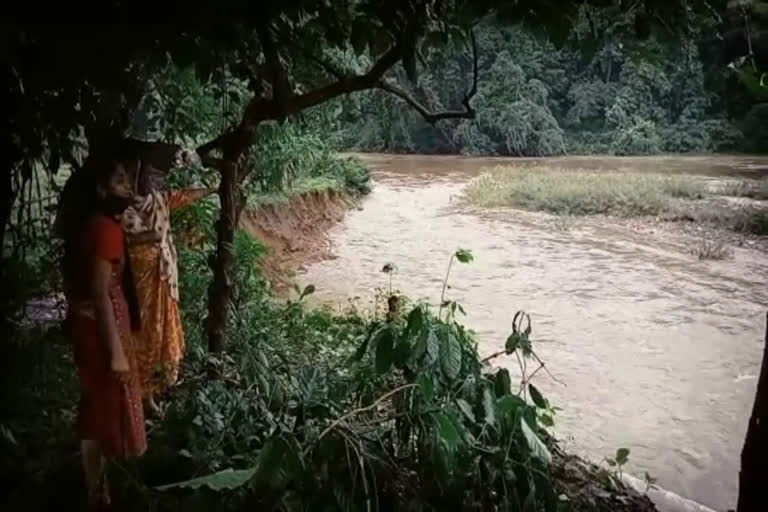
{"x":119,"y":363}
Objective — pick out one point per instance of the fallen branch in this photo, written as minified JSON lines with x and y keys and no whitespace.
{"x":354,"y":412}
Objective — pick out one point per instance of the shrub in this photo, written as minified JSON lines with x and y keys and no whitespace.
{"x":638,"y":137}
{"x":757,"y":223}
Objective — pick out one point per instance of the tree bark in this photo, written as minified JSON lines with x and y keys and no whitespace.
{"x":224,"y":261}
{"x":753,"y":493}
{"x":6,"y":205}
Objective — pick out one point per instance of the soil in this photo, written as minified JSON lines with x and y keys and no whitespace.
{"x":294,"y":232}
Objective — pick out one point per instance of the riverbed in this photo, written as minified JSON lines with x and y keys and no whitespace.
{"x":657,"y":351}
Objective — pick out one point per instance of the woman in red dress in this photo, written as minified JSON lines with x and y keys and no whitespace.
{"x":101,"y":317}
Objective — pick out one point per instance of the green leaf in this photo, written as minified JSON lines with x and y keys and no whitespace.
{"x":466,"y":409}
{"x":385,"y":353}
{"x":419,"y":349}
{"x":508,"y":404}
{"x":443,"y":462}
{"x":537,"y":397}
{"x":433,"y":346}
{"x":489,"y":407}
{"x":547,"y":421}
{"x":415,"y":323}
{"x":512,"y":343}
{"x":450,"y":356}
{"x":313,"y":386}
{"x":622,"y":456}
{"x":361,"y":350}
{"x":502,"y":383}
{"x":402,"y":353}
{"x":538,"y":449}
{"x":446,"y":431}
{"x":309,"y":290}
{"x":464,"y":256}
{"x":426,"y":387}
{"x":227,"y":479}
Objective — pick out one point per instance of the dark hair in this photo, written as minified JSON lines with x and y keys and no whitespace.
{"x":79,"y":201}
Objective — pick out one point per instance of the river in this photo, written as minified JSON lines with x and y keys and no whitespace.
{"x":658,"y":351}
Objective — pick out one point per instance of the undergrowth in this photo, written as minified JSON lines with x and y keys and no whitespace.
{"x":313,"y":411}
{"x":306,"y":410}
{"x":290,"y":160}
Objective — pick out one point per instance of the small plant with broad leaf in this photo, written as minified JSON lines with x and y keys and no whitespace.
{"x":617,"y":462}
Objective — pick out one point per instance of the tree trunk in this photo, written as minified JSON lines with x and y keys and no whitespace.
{"x":753,"y":493}
{"x":223,"y":264}
{"x":7,"y":198}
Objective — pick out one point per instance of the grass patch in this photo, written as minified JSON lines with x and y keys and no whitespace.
{"x":567,"y":192}
{"x":708,"y":249}
{"x":752,"y":189}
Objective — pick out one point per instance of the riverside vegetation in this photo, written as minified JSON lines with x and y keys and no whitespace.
{"x":627,"y":194}
{"x":309,"y":409}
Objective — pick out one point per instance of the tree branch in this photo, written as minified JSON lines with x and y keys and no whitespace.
{"x":434,"y":117}
{"x":348,"y":415}
{"x":278,"y":79}
{"x":261,"y":109}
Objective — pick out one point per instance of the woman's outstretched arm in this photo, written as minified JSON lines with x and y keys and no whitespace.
{"x":185,"y":197}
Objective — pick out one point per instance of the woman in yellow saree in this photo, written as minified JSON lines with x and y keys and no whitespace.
{"x":153,"y":259}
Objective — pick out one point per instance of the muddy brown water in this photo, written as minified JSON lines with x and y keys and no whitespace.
{"x":658,"y":351}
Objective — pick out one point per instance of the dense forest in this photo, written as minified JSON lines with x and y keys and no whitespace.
{"x":602,"y":91}
{"x":283,"y":407}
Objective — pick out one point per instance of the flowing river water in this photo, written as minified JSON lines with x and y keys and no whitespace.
{"x":657,"y":351}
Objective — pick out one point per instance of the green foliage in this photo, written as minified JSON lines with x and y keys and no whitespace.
{"x":603,"y":90}
{"x":295,"y":155}
{"x":514,"y":116}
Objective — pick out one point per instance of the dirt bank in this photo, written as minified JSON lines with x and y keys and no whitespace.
{"x":294,"y":231}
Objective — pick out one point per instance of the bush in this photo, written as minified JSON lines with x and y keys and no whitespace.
{"x":290,"y":159}
{"x":581,"y":193}
{"x":638,"y":137}
{"x":757,"y":223}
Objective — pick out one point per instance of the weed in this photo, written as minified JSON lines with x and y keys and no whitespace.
{"x":709,"y":249}
{"x":616,"y":463}
{"x":753,"y":189}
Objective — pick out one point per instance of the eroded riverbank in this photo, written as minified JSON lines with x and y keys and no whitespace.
{"x":657,"y":349}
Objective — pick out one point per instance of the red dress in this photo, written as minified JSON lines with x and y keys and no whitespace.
{"x":110,"y":409}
